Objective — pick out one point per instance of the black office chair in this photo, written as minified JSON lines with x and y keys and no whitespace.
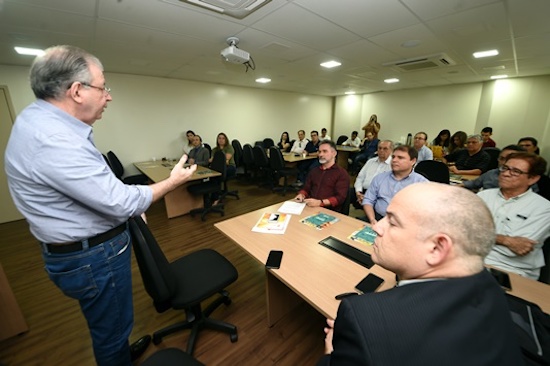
{"x":108,"y":162}
{"x":183,"y":284}
{"x":238,"y":156}
{"x":277,"y":165}
{"x":118,"y":170}
{"x":212,"y":186}
{"x":267,"y":143}
{"x":341,"y":140}
{"x":248,"y":161}
{"x":263,"y":170}
{"x":208,"y":147}
{"x":493,"y":152}
{"x":433,"y":170}
{"x":545,"y":271}
{"x":345,"y":206}
{"x":171,"y":357}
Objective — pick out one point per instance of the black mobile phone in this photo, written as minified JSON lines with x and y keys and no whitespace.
{"x":369,"y":283}
{"x":502,"y":278}
{"x":274,"y":259}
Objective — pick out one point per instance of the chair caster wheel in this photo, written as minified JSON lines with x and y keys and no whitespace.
{"x":227,"y":301}
{"x":234,"y":337}
{"x":156,"y":340}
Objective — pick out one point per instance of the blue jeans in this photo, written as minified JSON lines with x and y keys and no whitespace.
{"x":100,"y":278}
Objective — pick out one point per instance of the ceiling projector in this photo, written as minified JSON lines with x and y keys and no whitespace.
{"x":233,"y":54}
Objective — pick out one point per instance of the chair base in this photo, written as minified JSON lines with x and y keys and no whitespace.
{"x":198,"y":320}
{"x":219,"y":208}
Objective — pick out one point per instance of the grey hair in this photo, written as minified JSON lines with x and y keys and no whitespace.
{"x":476,"y":136}
{"x":387,"y":141}
{"x":54,"y":72}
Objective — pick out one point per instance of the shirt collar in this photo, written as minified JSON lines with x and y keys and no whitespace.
{"x":515,"y":197}
{"x":80,"y":128}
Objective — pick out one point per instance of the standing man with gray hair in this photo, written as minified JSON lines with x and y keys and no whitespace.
{"x":74,"y":204}
{"x":472,"y":160}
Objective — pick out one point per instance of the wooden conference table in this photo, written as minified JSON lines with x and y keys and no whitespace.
{"x":315,"y":273}
{"x":343,"y":154}
{"x":179,"y":201}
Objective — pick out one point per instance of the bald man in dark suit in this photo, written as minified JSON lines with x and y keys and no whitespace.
{"x":447,"y":309}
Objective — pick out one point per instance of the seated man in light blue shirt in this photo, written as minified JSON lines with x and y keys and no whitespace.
{"x":385,"y":185}
{"x":75,"y":206}
{"x":424,"y":152}
{"x":373,"y":167}
{"x":522,"y":217}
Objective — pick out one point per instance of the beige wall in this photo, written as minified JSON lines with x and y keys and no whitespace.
{"x":148,"y":116}
{"x":513,"y":107}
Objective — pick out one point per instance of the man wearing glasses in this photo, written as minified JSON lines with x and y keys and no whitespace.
{"x":424,"y":152}
{"x":522,"y":217}
{"x":75,"y":206}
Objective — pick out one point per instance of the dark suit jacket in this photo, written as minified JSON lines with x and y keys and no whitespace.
{"x":460,"y":321}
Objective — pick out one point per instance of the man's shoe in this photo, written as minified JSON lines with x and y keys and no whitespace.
{"x":138,"y":347}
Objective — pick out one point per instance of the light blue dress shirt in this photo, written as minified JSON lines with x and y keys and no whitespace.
{"x":384,"y":186}
{"x":60,"y":181}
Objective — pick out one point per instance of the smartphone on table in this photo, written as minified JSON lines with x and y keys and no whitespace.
{"x":274,"y":259}
{"x":369,"y":284}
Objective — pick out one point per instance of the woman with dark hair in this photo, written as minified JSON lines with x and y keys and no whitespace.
{"x":443,"y":139}
{"x":188,"y":145}
{"x":222,"y":144}
{"x":458,"y":141}
{"x":284,"y":142}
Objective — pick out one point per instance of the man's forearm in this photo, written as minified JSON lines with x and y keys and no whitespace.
{"x":369,"y":211}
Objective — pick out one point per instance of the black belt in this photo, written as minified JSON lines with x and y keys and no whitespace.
{"x":92,"y":242}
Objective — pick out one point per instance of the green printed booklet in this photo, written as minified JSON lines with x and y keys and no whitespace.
{"x":319,"y":220}
{"x":366,"y":235}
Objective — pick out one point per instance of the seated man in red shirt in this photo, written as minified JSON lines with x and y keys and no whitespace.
{"x":328,"y":184}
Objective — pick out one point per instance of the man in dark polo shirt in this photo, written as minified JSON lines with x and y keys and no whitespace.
{"x":328,"y":184}
{"x":471,"y":160}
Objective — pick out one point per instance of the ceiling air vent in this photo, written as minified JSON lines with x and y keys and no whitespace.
{"x":422,"y":63}
{"x":234,"y":8}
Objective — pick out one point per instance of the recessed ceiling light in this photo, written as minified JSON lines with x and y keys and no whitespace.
{"x":263,"y":80}
{"x":499,"y":77}
{"x":29,"y":51}
{"x":331,"y":64}
{"x":351,"y":92}
{"x":410,"y":43}
{"x":487,"y":53}
{"x":391,"y":81}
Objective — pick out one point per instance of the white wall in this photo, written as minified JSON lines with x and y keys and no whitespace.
{"x":514,"y":108}
{"x":148,"y":116}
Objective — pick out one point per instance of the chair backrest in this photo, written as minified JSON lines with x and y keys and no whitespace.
{"x":493,"y":152}
{"x":545,"y":271}
{"x":433,"y":170}
{"x":238,"y":152}
{"x":268,"y":142}
{"x":276,"y":161}
{"x":158,"y":280}
{"x":345,"y":206}
{"x":248,"y":156}
{"x":107,"y":161}
{"x":341,"y":140}
{"x":208,"y":147}
{"x":260,"y":157}
{"x":115,"y":164}
{"x":218,"y":164}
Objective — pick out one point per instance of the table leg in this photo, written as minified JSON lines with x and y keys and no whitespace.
{"x":280,"y":299}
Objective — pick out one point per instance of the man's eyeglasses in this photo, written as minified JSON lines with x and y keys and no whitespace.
{"x":513,"y":171}
{"x":104,"y":89}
